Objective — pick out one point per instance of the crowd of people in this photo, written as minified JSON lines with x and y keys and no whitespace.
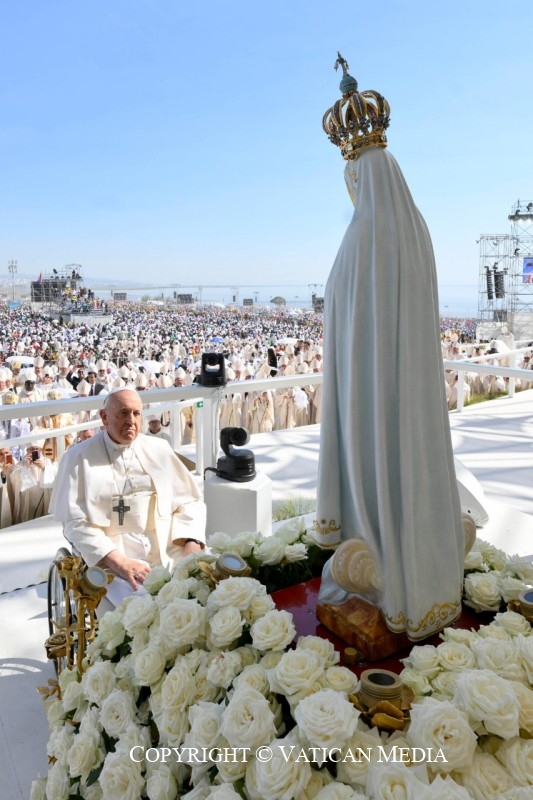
{"x":145,"y":349}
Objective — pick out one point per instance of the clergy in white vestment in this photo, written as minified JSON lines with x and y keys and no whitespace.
{"x":126,"y":501}
{"x":386,"y":472}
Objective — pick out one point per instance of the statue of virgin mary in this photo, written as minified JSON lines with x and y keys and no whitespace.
{"x":386,"y":483}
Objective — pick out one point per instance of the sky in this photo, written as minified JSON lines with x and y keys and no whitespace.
{"x":168,"y":141}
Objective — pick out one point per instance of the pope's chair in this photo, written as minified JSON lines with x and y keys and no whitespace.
{"x":74,"y":592}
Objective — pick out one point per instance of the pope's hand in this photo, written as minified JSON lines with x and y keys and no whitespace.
{"x":131,"y":569}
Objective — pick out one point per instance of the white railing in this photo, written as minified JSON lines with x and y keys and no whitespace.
{"x":207,"y":400}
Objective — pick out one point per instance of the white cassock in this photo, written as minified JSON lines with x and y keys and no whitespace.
{"x":165,"y":506}
{"x":386,"y":472}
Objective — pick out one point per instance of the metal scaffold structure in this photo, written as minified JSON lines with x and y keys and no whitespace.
{"x":506,"y":275}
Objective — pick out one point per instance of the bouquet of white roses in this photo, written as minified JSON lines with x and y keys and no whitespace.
{"x":199,"y":691}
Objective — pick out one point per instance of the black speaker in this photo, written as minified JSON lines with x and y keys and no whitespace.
{"x":213,"y":371}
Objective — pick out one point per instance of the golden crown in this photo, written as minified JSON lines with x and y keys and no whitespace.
{"x":359,"y":119}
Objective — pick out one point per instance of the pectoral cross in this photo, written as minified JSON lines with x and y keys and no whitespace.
{"x":121,"y":509}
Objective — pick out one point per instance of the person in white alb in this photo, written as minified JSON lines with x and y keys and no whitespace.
{"x":126,"y":501}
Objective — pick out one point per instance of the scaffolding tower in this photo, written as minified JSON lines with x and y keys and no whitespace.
{"x":506,"y":274}
{"x":52,"y":294}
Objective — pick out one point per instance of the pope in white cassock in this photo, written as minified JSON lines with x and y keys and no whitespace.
{"x":386,"y":474}
{"x":126,"y":501}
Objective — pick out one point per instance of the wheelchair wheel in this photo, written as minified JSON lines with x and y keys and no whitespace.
{"x":63,"y":650}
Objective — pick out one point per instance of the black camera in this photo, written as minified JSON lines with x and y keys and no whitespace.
{"x":235,"y":465}
{"x":35,"y":455}
{"x":213,"y":370}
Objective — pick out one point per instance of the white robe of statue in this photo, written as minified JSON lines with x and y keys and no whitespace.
{"x":386,"y":472}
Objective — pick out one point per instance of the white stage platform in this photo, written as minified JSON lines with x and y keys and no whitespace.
{"x":493,"y":440}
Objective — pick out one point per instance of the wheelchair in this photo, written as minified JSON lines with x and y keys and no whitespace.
{"x":74,"y":592}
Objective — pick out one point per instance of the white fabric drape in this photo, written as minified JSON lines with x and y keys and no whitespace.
{"x":386,"y":472}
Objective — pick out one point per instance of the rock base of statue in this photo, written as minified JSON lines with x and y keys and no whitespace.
{"x":361,"y":625}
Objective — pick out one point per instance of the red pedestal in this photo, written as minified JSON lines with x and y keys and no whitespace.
{"x":301,"y":601}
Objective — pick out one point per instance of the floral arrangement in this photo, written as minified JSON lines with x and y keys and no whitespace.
{"x":198,"y":691}
{"x":493,"y":579}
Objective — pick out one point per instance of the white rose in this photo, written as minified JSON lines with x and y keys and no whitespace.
{"x":510,"y":588}
{"x":38,"y":789}
{"x":241,"y":544}
{"x":281,"y":778}
{"x":489,"y":699}
{"x":322,"y":647}
{"x":270,"y":551}
{"x":473,"y":560}
{"x":442,"y":726}
{"x":521,"y":567}
{"x":524,"y":695}
{"x":182,"y":622}
{"x":225,"y":627}
{"x":492,"y":632}
{"x":67,"y":676}
{"x":295,"y":552}
{"x":416,"y":681}
{"x":341,"y":679}
{"x":205,"y":691}
{"x":161,"y":783}
{"x":178,"y":687}
{"x":493,"y":557}
{"x":175,"y":590}
{"x":424,"y":659}
{"x":274,"y":631}
{"x":156,"y":579}
{"x":517,"y":758}
{"x":139,"y":614}
{"x":500,"y":657}
{"x":249,"y":655}
{"x":247,"y":720}
{"x":482,"y":591}
{"x":396,"y":781}
{"x":92,"y":792}
{"x":459,"y":635}
{"x":55,"y":712}
{"x":238,"y":592}
{"x":524,"y":646}
{"x":173,"y":726}
{"x":98,"y":681}
{"x":485,"y":778}
{"x":204,"y":721}
{"x":326,"y":719}
{"x":200,"y":792}
{"x":255,"y":676}
{"x":444,"y":685}
{"x":201,"y":592}
{"x":515,"y":624}
{"x":447,"y":789}
{"x":118,"y":711}
{"x":297,"y":670}
{"x":455,"y":656}
{"x":72,"y":696}
{"x":337,"y":791}
{"x":353,"y":768}
{"x":271,"y":659}
{"x":60,"y":742}
{"x":84,"y":755}
{"x":230,"y":770}
{"x":121,"y":777}
{"x":219,"y":542}
{"x":111,"y":631}
{"x":223,"y":668}
{"x":149,"y":664}
{"x":292,"y":530}
{"x":58,"y":783}
{"x":223,"y":792}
